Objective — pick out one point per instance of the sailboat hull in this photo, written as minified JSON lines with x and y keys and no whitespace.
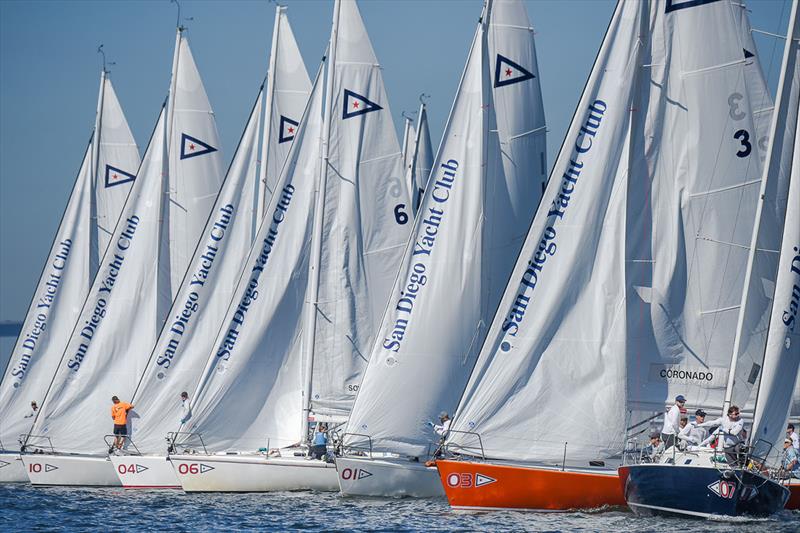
{"x":794,"y":496}
{"x":252,"y":473}
{"x":387,"y":477}
{"x":11,"y":468}
{"x":481,"y":485}
{"x":145,"y":472}
{"x":70,"y":470}
{"x":701,"y":491}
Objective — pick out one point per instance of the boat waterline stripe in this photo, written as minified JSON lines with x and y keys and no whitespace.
{"x":670,"y":510}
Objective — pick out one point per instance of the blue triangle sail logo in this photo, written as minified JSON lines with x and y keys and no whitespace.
{"x":356,"y":104}
{"x":115,"y":176}
{"x":288,"y":129}
{"x":508,"y":72}
{"x":193,"y":147}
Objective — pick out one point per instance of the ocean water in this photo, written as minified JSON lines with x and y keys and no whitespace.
{"x":24,"y":508}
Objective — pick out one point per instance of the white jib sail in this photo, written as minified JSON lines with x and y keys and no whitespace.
{"x":251,"y":389}
{"x":364,"y":221}
{"x":418,"y":170}
{"x":471,"y":225}
{"x":181,"y":352}
{"x":409,"y":134}
{"x":288,"y":87}
{"x":651,"y":205}
{"x":162,"y":219}
{"x":782,"y":354}
{"x":104,"y":179}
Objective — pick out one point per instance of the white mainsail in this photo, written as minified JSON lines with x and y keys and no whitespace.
{"x":251,"y":387}
{"x":418,"y":168}
{"x":469,"y":230}
{"x":103,"y":182}
{"x":145,"y":262}
{"x":363,"y":222}
{"x":635,"y":259}
{"x":782,"y":354}
{"x":181,"y":352}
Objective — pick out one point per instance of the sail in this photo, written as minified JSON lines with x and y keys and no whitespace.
{"x":250,"y":393}
{"x":409,"y":134}
{"x":635,"y":260}
{"x":288,"y":86}
{"x":181,"y":352}
{"x":364,"y":221}
{"x":418,"y":169}
{"x":104,"y":179}
{"x":782,"y":355}
{"x":470,"y":228}
{"x":192,"y":323}
{"x":127,"y":304}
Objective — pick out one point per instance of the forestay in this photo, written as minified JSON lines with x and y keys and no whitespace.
{"x":250,"y":393}
{"x":192,"y":325}
{"x":145,"y":262}
{"x":782,"y":354}
{"x":635,"y":260}
{"x":103,"y":181}
{"x":364,"y":221}
{"x":473,"y":217}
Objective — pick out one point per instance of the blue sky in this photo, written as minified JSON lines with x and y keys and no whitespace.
{"x":49,"y":74}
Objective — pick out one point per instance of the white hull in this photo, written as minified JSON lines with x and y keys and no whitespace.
{"x":11,"y":468}
{"x":252,"y":473}
{"x":145,"y":472}
{"x":387,"y":477}
{"x":70,"y":470}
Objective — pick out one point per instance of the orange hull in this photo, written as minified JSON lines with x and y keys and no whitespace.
{"x":490,"y":486}
{"x":794,"y":496}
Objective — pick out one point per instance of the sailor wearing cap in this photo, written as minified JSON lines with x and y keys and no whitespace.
{"x":654,"y":449}
{"x":672,"y":422}
{"x":693,"y":434}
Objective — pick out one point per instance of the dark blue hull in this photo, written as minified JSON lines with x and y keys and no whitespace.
{"x":665,"y":489}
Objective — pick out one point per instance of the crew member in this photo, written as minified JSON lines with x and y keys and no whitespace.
{"x":651,"y":452}
{"x":186,"y":409}
{"x":792,"y":434}
{"x":791,"y":460}
{"x":693,"y":433}
{"x":731,"y":428}
{"x":672,"y":422}
{"x":34,"y":410}
{"x":119,"y":413}
{"x":319,"y":446}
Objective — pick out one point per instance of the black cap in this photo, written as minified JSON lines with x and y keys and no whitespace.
{"x":699,"y":412}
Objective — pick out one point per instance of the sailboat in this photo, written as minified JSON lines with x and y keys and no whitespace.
{"x":420,"y":160}
{"x":709,"y":485}
{"x":103,"y":181}
{"x":147,"y":257}
{"x":480,"y":199}
{"x":289,"y":352}
{"x":179,"y":356}
{"x":634,"y":258}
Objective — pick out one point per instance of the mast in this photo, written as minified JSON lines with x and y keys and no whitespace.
{"x":94,"y":239}
{"x":754,"y":240}
{"x":267,"y":125}
{"x":310,"y":322}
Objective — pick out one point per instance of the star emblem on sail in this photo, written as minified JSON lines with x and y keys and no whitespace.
{"x":193,"y":147}
{"x":288,"y":129}
{"x":508,"y":72}
{"x":356,"y":104}
{"x":116,"y":176}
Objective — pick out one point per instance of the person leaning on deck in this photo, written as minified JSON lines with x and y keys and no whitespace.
{"x":119,"y":414}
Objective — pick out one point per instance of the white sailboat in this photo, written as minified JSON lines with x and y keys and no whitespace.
{"x":179,"y":356}
{"x":480,"y":200}
{"x":290,"y":350}
{"x":127,"y":304}
{"x":634,"y":259}
{"x":104,"y":179}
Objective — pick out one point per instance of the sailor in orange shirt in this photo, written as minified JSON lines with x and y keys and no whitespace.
{"x":119,"y":413}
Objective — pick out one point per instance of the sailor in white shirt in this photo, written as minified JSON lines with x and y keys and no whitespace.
{"x":186,"y":408}
{"x":34,"y":409}
{"x":672,"y":422}
{"x":444,"y":426}
{"x":792,"y":434}
{"x":693,"y":434}
{"x":731,"y":427}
